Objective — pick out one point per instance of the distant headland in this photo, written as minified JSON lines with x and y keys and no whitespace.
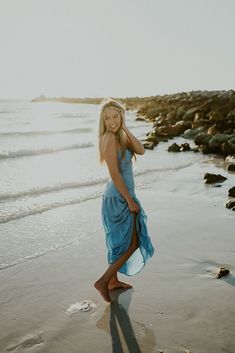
{"x":88,"y":100}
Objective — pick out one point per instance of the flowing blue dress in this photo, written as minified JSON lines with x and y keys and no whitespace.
{"x":118,"y":221}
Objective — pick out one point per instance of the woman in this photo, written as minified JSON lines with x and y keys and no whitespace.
{"x":123,"y":217}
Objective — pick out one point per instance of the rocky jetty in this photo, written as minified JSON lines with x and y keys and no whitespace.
{"x":207,"y":117}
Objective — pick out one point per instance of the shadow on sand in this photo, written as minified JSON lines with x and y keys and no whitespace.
{"x":116,"y":322}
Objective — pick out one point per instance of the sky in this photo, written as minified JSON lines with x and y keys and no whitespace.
{"x":124,"y":48}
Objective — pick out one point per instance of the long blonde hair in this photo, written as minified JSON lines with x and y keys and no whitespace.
{"x":117,"y":105}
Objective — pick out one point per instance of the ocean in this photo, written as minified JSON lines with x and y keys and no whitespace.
{"x":49,"y":169}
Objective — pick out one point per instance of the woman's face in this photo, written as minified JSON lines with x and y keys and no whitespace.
{"x":112,"y":119}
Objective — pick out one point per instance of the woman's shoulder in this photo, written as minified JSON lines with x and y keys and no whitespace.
{"x":107,"y":141}
{"x":108,"y":137}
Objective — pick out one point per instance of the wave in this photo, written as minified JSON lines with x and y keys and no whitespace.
{"x":7,"y":111}
{"x":70,"y":115}
{"x":49,"y":189}
{"x":45,"y":132}
{"x":47,"y":207}
{"x":56,"y":247}
{"x":28,"y":153}
{"x":35,"y":208}
{"x":75,"y":185}
{"x":166,"y":169}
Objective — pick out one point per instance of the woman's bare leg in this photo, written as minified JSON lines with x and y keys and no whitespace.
{"x":102,"y":283}
{"x":115,"y":283}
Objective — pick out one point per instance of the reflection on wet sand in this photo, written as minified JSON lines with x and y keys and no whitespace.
{"x":126,"y":336}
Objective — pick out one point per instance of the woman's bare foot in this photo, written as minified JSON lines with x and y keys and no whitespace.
{"x":102,"y":287}
{"x":115,"y":283}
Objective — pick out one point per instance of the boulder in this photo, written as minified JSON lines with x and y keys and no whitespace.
{"x":198,"y":117}
{"x":213,"y":178}
{"x":213,"y":130}
{"x":190,"y":113}
{"x":140,"y":118}
{"x":161,"y":136}
{"x":215,"y":116}
{"x":231,"y":192}
{"x":228,"y":147}
{"x":216,"y":141}
{"x":231,"y":168}
{"x":174,"y":148}
{"x":192,"y":133}
{"x":230,"y":159}
{"x":148,"y":145}
{"x":185,"y":147}
{"x":223,"y":271}
{"x":183,"y":125}
{"x":202,"y":139}
{"x":170,"y":131}
{"x":231,"y":205}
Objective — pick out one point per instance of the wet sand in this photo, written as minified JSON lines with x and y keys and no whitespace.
{"x":176,"y":304}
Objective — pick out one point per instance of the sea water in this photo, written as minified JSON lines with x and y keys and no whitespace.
{"x":49,"y":169}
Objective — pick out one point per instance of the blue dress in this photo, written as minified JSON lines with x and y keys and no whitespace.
{"x":118,"y":221}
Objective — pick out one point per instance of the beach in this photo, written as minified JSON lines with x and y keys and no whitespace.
{"x":53,"y":250}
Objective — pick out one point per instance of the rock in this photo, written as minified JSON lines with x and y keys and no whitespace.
{"x":231,"y":115}
{"x":152,"y":138}
{"x":228,"y":147}
{"x":223,"y":271}
{"x":140,"y":118}
{"x":229,"y":131}
{"x":190,"y":113}
{"x":202,"y":139}
{"x":230,"y":159}
{"x":158,"y":122}
{"x":213,"y":178}
{"x":204,"y":149}
{"x":216,"y":116}
{"x":192,"y":133}
{"x":231,"y":205}
{"x":231,"y":192}
{"x":213,"y":130}
{"x":183,"y":125}
{"x":231,"y":168}
{"x":185,"y":147}
{"x":170,"y":131}
{"x":198,"y":117}
{"x":216,"y":141}
{"x":201,"y":122}
{"x":148,"y":145}
{"x":180,"y":112}
{"x":174,"y":148}
{"x":161,"y":136}
{"x":170,"y":117}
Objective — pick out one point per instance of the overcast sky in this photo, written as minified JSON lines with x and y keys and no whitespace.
{"x":116,"y":48}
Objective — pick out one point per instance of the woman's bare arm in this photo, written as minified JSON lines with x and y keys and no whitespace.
{"x":110,"y":156}
{"x":137,"y":145}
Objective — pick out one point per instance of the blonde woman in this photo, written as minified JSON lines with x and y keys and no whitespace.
{"x":127,"y":240}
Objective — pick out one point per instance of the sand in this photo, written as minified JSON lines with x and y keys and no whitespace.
{"x":176,"y":304}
